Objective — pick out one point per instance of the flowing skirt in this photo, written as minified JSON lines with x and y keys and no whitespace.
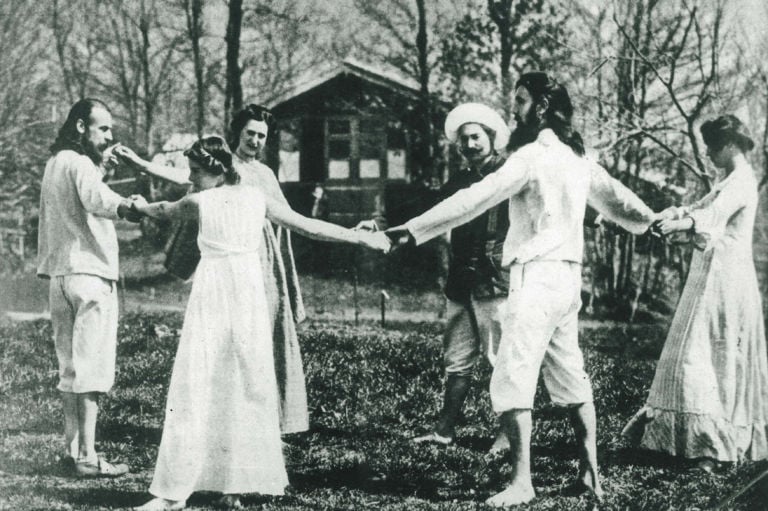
{"x":709,"y":396}
{"x":221,"y":430}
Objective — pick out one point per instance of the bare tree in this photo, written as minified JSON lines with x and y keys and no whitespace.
{"x":193,"y":10}
{"x":687,"y":66}
{"x":26,"y":109}
{"x":530,"y":32}
{"x":77,"y":44}
{"x":403,"y":36}
{"x":281,"y":42}
{"x":233,"y":93}
{"x":136,"y":63}
{"x":654,"y":77}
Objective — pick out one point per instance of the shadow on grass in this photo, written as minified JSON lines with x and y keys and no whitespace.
{"x":33,"y":467}
{"x":156,"y":280}
{"x":362,"y":478}
{"x":633,"y":456}
{"x":101,"y":497}
{"x":115,"y":431}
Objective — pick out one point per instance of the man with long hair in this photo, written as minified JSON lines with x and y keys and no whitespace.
{"x":547,"y":182}
{"x":78,"y":252}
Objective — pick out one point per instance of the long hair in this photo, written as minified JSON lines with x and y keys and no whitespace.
{"x":559,"y":113}
{"x":213,"y":154}
{"x":251,"y":112}
{"x":726,"y":129}
{"x":68,"y":136}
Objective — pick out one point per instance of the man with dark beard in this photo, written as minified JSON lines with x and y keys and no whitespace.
{"x":77,"y":251}
{"x":546,"y":183}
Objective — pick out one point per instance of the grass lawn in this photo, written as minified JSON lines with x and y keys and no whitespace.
{"x":370,"y":390}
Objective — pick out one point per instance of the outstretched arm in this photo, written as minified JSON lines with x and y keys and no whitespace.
{"x":173,"y":174}
{"x":283,"y":215}
{"x":186,"y":208}
{"x":468,"y":203}
{"x":618,"y":203}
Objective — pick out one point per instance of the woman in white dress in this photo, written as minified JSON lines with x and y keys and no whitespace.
{"x":222,"y":430}
{"x":709,"y":397}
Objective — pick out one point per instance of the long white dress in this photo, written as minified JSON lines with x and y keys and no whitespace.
{"x":286,"y":308}
{"x":709,"y":397}
{"x":222,"y":429}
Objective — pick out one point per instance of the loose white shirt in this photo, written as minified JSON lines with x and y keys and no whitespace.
{"x":75,"y":231}
{"x":548,"y":187}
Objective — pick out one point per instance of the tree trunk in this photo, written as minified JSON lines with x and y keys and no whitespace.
{"x":149,"y":107}
{"x":233,"y":93}
{"x":426,"y":149}
{"x":194,"y":10}
{"x":61,"y":34}
{"x":501,"y":15}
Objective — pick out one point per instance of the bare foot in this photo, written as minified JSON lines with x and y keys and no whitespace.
{"x":158,"y":504}
{"x":500,"y":445}
{"x":515,"y":494}
{"x":579,"y":487}
{"x":589,"y":482}
{"x":709,"y":465}
{"x":230,"y":501}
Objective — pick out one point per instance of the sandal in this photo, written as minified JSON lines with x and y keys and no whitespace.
{"x":102,"y":468}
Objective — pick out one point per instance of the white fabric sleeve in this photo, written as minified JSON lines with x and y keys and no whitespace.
{"x":710,"y":217}
{"x":616,"y":202}
{"x":97,"y":198}
{"x":468,"y":203}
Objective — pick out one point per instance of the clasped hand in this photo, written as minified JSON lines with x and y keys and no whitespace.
{"x":396,"y":236}
{"x":132,"y":213}
{"x":667,"y":222}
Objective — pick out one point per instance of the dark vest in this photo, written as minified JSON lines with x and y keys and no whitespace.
{"x":476,"y":247}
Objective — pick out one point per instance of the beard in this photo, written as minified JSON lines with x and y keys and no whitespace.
{"x":93,"y":151}
{"x":526,"y":131}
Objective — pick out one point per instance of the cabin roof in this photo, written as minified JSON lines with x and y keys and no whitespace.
{"x":318,"y":75}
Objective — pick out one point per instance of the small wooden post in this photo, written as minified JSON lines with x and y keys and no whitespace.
{"x":384,"y":298}
{"x":354,"y":294}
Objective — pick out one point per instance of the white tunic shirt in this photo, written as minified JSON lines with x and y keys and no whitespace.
{"x":76,"y":233}
{"x":548,"y":187}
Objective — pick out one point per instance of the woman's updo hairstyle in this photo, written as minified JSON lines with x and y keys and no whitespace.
{"x":213,"y":155}
{"x":726,"y":129}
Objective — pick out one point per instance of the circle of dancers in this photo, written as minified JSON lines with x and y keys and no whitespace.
{"x":515,"y":213}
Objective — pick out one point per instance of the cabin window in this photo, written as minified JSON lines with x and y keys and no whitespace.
{"x":372,"y":143}
{"x":289,"y":170}
{"x":355,"y":147}
{"x":396,"y":151}
{"x":338,"y":148}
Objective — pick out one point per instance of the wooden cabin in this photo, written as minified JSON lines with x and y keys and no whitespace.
{"x":351,"y":129}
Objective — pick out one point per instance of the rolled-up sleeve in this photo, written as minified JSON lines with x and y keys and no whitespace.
{"x":468,"y":203}
{"x":97,"y":198}
{"x":618,"y":203}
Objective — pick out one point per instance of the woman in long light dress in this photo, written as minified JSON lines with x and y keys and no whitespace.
{"x":249,"y":131}
{"x":221,"y":430}
{"x":709,"y":397}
